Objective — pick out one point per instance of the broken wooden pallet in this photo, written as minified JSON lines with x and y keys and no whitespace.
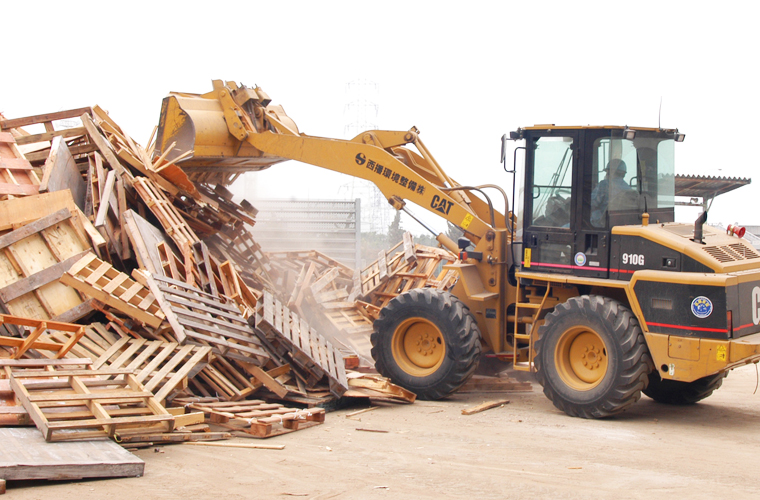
{"x":101,"y":281}
{"x":377,"y":388}
{"x":169,"y":217}
{"x":309,"y":350}
{"x":423,"y":271}
{"x":33,"y":338}
{"x":201,"y":318}
{"x":97,"y":391}
{"x":222,"y":379}
{"x":258,"y":418}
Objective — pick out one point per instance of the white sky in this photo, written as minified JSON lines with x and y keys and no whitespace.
{"x":464,"y":73}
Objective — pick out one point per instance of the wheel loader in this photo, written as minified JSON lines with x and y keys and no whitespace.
{"x":593,"y":285}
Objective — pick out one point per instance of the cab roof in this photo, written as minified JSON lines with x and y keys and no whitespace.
{"x":551,"y":126}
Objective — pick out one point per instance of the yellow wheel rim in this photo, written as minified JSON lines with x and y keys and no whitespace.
{"x":418,"y":347}
{"x":581,"y":358}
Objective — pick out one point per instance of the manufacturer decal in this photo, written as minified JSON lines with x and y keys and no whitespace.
{"x":756,"y":305}
{"x":580,"y":259}
{"x":701,"y":307}
{"x":441,"y":205}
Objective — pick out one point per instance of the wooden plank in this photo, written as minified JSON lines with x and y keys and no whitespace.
{"x":26,"y":456}
{"x":105,"y":197}
{"x":47,"y":136}
{"x":61,"y":172}
{"x":266,"y":379}
{"x":103,"y":145}
{"x":15,"y":164}
{"x":36,"y":280}
{"x":484,"y":406}
{"x":47,"y":117}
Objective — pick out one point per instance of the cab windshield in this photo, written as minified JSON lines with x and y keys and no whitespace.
{"x":629,"y":177}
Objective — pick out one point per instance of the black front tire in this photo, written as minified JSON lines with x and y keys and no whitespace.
{"x":674,"y":392}
{"x":591,"y":357}
{"x":426,"y":341}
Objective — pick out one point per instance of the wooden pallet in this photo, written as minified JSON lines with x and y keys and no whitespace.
{"x":308,"y":350}
{"x":420,"y":272}
{"x":17,"y":177}
{"x":33,"y":258}
{"x":91,"y":396}
{"x":33,"y":338}
{"x":201,"y":318}
{"x":12,"y":412}
{"x":225,"y":380}
{"x":375,"y":274}
{"x":235,"y":244}
{"x":168,"y":216}
{"x":162,"y":367}
{"x":101,"y":281}
{"x":258,"y":418}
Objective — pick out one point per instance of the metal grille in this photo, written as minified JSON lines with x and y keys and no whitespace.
{"x":733,"y":252}
{"x":332,"y":227}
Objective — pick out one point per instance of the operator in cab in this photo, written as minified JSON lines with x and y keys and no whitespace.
{"x":611,"y":186}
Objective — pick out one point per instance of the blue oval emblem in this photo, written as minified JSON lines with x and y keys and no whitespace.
{"x":701,"y":307}
{"x":580,"y":259}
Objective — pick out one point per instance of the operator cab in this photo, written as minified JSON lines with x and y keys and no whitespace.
{"x":580,"y":182}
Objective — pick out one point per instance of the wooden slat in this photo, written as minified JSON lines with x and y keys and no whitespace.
{"x":47,"y":117}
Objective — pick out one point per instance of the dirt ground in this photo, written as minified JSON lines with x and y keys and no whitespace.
{"x":526,"y":449}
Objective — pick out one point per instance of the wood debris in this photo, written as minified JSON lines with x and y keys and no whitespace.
{"x":485,"y":406}
{"x":258,"y":418}
{"x":128,"y":283}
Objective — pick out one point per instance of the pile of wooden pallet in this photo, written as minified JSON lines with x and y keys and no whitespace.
{"x":342,"y":303}
{"x":128,"y":285}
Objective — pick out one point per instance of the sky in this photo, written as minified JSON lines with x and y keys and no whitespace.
{"x":463,"y":73}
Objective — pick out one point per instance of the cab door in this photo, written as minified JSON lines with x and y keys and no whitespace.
{"x":550,"y":197}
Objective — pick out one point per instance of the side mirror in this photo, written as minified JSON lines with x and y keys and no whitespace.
{"x":504,"y":148}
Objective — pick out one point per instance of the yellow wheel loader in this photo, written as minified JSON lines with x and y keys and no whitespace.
{"x":594,"y":286}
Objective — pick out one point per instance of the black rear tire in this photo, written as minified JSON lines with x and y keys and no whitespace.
{"x":426,"y":341}
{"x":674,"y":392}
{"x":591,"y":357}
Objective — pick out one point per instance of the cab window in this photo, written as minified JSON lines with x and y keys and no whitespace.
{"x":552,"y":182}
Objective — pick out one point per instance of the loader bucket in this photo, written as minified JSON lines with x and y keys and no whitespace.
{"x":196,"y":123}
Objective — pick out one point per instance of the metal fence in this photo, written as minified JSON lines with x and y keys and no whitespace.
{"x":332,"y":227}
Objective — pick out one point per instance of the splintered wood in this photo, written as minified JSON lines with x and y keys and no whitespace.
{"x":309,"y":350}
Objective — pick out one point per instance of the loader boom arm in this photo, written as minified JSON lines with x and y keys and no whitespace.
{"x":233,"y":121}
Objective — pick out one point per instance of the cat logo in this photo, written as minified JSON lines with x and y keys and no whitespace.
{"x":441,"y":205}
